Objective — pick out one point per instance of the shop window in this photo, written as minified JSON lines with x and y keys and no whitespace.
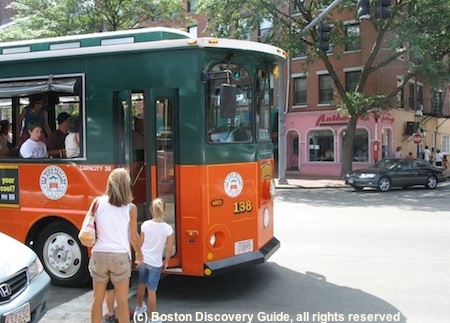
{"x":321,"y":145}
{"x":360,"y":145}
{"x":300,"y":93}
{"x":386,"y":138}
{"x":325,"y":89}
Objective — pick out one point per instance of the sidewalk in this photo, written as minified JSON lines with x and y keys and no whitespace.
{"x":295,"y":181}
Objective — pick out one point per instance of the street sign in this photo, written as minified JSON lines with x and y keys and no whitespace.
{"x":417,"y":138}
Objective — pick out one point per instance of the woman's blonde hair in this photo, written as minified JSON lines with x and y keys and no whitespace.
{"x":118,"y":188}
{"x":158,"y":209}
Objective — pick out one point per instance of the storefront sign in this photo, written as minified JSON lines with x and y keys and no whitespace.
{"x":387,"y":119}
{"x":334,"y":119}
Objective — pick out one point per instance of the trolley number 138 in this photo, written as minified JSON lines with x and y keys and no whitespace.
{"x":242,"y":207}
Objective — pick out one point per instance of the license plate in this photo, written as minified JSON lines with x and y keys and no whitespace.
{"x":350,"y":181}
{"x":243,"y":246}
{"x":20,"y":315}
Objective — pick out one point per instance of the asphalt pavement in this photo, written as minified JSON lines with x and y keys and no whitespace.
{"x":78,"y":309}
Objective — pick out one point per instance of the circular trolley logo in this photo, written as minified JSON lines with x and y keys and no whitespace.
{"x":53,"y":182}
{"x":233,"y":184}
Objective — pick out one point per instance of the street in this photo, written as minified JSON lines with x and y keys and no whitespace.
{"x":345,"y":256}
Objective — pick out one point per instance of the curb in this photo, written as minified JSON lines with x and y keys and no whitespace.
{"x":310,"y":184}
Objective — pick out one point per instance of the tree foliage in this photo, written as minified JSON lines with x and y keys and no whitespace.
{"x":49,"y":18}
{"x":417,"y":29}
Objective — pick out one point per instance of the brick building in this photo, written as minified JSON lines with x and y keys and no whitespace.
{"x":313,"y":128}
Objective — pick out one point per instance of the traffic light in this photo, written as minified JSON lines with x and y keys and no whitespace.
{"x":382,"y":10}
{"x":363,"y":9}
{"x":323,"y":37}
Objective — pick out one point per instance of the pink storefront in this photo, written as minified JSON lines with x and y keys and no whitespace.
{"x":314,"y":141}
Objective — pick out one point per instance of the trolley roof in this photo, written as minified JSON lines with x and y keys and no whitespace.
{"x":121,"y":41}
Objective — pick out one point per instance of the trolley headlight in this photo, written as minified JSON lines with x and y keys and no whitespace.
{"x":266,"y":218}
{"x":212,"y":240}
{"x":269,"y":188}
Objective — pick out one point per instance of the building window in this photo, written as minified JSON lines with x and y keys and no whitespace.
{"x":300,"y":94}
{"x":437,"y":102}
{"x":301,"y":50}
{"x":265,"y":29}
{"x":325,"y":89}
{"x":415,"y":98}
{"x":352,"y":80}
{"x":445,"y":143}
{"x":419,"y":95}
{"x":400,"y":97}
{"x":411,"y":97}
{"x":353,"y":39}
{"x":192,"y":6}
{"x":193,"y":31}
{"x":321,"y":145}
{"x":360,"y":145}
{"x":245,"y":32}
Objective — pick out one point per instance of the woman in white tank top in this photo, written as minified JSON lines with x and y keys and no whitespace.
{"x":116,"y":228}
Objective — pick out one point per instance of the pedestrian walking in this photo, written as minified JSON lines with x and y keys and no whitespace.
{"x":116,"y":229}
{"x":438,"y":158}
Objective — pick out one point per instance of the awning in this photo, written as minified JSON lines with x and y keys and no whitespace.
{"x":28,"y":87}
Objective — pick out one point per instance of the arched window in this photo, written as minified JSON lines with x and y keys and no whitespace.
{"x":360,"y":145}
{"x":321,"y":145}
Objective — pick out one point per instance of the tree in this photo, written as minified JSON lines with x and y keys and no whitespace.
{"x":49,"y":18}
{"x":417,"y":29}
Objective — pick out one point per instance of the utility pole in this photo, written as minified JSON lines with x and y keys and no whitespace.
{"x":284,"y":105}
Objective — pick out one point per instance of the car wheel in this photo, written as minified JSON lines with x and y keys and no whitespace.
{"x":384,"y":184}
{"x":431,"y":182}
{"x":63,"y":256}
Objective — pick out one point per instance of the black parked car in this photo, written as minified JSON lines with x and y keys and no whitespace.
{"x":396,"y":172}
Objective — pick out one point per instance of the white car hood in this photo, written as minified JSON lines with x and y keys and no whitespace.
{"x":14,"y":256}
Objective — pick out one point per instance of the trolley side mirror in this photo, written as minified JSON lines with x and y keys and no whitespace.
{"x":228,"y":103}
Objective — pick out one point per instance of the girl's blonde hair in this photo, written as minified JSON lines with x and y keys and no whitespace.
{"x":118,"y":188}
{"x":158,"y":209}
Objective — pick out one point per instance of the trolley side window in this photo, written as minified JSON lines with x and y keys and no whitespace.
{"x":229,"y":107}
{"x":53,"y":103}
{"x":264,"y":103}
